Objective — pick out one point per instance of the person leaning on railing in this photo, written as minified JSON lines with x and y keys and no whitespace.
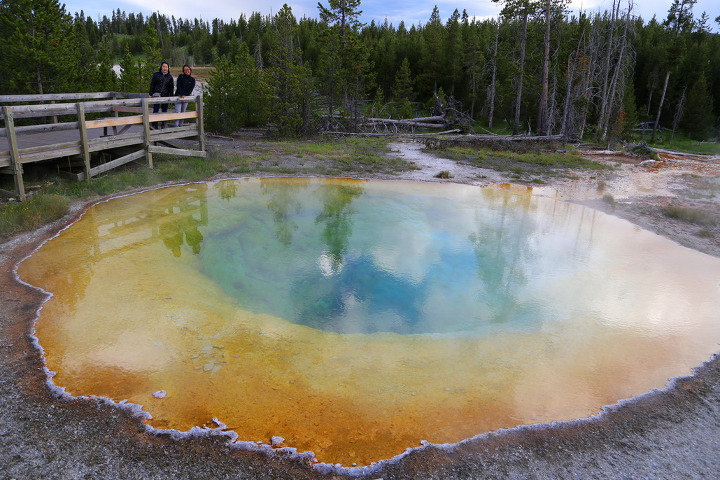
{"x":185,"y":86}
{"x":161,"y":85}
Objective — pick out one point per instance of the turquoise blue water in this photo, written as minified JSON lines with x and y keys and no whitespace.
{"x":365,"y":257}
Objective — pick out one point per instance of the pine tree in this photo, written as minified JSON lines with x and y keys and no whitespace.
{"x":474,"y":62}
{"x":679,"y":20}
{"x":433,"y":58}
{"x":403,"y":85}
{"x":630,"y":111}
{"x":105,"y":78}
{"x":345,"y":63}
{"x":37,"y":39}
{"x":79,"y":61}
{"x":236,"y":95}
{"x":288,"y":80}
{"x":453,"y":53}
{"x":698,"y":121}
{"x":151,"y":52}
{"x":130,"y":74}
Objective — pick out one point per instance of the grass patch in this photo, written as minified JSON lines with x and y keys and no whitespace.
{"x":690,"y":215}
{"x":702,"y":188}
{"x":682,"y":143}
{"x":337,"y":156}
{"x":521,"y":164}
{"x":39,"y":210}
{"x":168,"y":168}
{"x":705,"y":233}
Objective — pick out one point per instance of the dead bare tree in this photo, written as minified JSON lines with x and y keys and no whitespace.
{"x":521,"y":73}
{"x":678,"y":113}
{"x":608,"y":56}
{"x":520,"y":11}
{"x":542,"y":127}
{"x":572,"y":67}
{"x":491,"y":93}
{"x":552,"y":107}
{"x":613,"y":102}
{"x":653,"y":86}
{"x":604,"y":100}
{"x":588,"y":73}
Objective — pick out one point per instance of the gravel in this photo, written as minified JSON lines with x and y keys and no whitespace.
{"x":671,"y":433}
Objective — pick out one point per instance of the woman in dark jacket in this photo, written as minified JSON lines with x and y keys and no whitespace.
{"x":161,"y":85}
{"x":185,"y":86}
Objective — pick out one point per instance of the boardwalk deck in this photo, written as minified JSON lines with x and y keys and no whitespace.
{"x":123,"y":122}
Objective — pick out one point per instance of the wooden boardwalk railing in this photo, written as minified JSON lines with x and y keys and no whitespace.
{"x":81,"y":137}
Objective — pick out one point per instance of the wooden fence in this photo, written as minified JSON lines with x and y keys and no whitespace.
{"x":97,"y":122}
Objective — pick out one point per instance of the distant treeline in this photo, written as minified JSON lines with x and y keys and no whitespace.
{"x":533,"y":69}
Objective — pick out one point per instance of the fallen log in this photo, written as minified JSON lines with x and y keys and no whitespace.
{"x":421,"y":122}
{"x":493,"y":141}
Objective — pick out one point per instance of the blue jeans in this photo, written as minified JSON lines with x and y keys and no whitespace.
{"x":180,"y":107}
{"x":156,"y":107}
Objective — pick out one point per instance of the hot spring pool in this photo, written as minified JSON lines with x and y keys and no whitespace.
{"x":356,"y":318}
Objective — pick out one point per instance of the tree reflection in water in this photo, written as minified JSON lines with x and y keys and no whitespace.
{"x":183,"y":215}
{"x":337,"y":217}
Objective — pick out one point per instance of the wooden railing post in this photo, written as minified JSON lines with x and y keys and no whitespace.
{"x":200,"y":122}
{"x":54,"y":117}
{"x":146,"y":128}
{"x":14,"y":154}
{"x":83,"y":139}
{"x":115,"y":97}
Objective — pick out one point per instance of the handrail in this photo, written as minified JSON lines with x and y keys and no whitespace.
{"x":52,"y":97}
{"x":136,"y":112}
{"x":97,"y":106}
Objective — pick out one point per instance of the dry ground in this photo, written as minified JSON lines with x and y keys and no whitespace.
{"x":673,"y":433}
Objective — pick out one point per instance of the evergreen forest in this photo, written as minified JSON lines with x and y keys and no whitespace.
{"x":534,"y":69}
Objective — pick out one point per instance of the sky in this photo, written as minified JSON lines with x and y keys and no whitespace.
{"x":412,"y":12}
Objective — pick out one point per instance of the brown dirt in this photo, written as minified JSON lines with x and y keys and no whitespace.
{"x":672,"y":433}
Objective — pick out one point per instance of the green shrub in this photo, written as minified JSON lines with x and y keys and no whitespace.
{"x":40,"y":209}
{"x":690,"y":215}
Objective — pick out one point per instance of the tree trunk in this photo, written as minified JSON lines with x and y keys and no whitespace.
{"x":38,"y":76}
{"x":568,"y":96}
{"x":662,"y":100}
{"x":258,"y":54}
{"x":653,"y":86}
{"x":473,"y":90}
{"x":616,"y":74}
{"x":494,"y":77}
{"x":518,"y":97}
{"x":542,"y":111}
{"x":587,"y":81}
{"x":678,"y":113}
{"x":573,"y":59}
{"x":606,"y":71}
{"x":552,"y":105}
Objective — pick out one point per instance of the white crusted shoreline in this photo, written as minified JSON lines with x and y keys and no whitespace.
{"x":46,"y":433}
